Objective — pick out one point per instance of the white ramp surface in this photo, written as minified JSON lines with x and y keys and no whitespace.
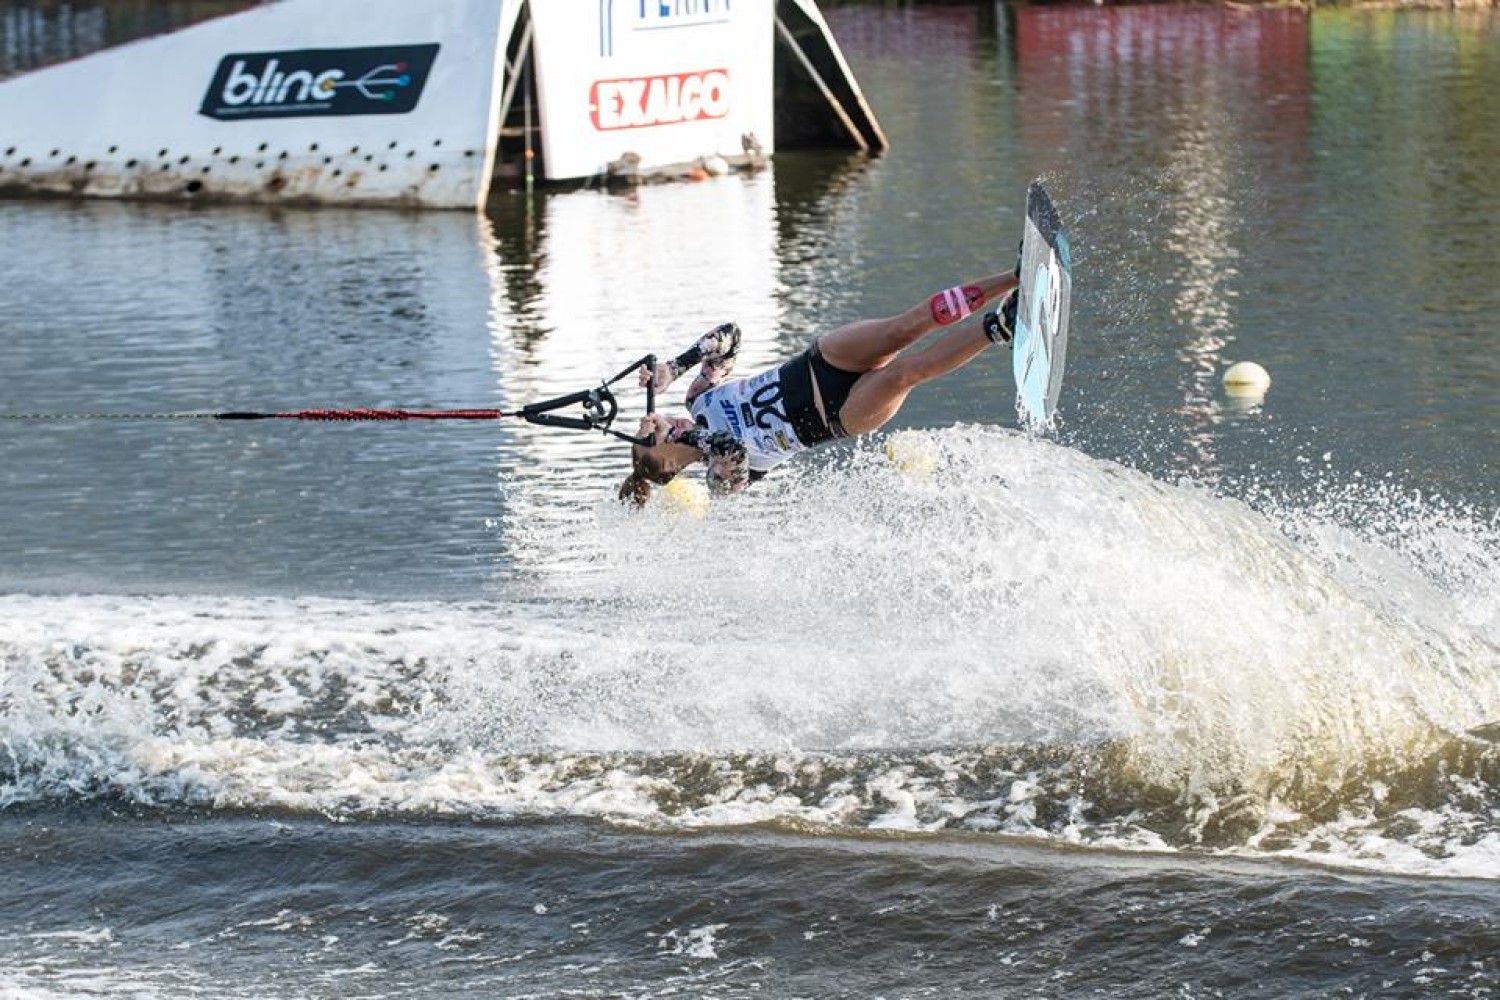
{"x":379,"y":102}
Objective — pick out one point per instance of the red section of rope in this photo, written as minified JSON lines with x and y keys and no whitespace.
{"x":354,"y":415}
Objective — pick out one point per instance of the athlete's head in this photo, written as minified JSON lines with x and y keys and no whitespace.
{"x":657,"y":464}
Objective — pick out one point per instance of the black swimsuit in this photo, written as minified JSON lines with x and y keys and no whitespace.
{"x":834,"y":386}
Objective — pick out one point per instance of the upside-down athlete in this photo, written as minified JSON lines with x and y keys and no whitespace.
{"x":848,"y":382}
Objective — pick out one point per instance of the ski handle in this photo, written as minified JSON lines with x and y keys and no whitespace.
{"x":600,"y":406}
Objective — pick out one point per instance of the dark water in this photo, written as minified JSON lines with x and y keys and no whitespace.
{"x":557,"y":909}
{"x":1186,"y":698}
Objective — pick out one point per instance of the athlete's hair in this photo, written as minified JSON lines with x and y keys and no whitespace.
{"x":635,"y":491}
{"x":649,"y":468}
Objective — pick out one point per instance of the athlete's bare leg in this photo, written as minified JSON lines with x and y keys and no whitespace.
{"x":866,"y":345}
{"x":878,"y":394}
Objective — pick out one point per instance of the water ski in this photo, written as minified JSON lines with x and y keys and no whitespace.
{"x":1041,"y":340}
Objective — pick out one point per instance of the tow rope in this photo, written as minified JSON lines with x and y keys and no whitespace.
{"x":599,"y":410}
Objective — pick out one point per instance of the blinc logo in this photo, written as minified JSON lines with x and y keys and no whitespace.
{"x":306,"y":82}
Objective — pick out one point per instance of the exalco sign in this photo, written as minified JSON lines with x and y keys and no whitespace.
{"x":374,"y":81}
{"x":659,"y":100}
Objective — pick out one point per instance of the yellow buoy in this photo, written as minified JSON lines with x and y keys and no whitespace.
{"x":685,"y":497}
{"x":1246,"y":378}
{"x":913,"y":452}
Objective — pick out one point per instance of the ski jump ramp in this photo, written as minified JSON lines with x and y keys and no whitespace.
{"x":422,"y":103}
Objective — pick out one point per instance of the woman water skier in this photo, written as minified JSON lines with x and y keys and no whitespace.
{"x":849,"y":382}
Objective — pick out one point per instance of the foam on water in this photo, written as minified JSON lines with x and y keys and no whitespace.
{"x":1029,"y":642}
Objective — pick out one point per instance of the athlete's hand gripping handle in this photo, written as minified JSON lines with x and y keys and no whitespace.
{"x":655,"y":377}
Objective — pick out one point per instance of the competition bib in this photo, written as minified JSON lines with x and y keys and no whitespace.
{"x":753,"y":411}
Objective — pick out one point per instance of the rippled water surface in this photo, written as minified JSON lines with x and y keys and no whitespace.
{"x":1194,"y":695}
